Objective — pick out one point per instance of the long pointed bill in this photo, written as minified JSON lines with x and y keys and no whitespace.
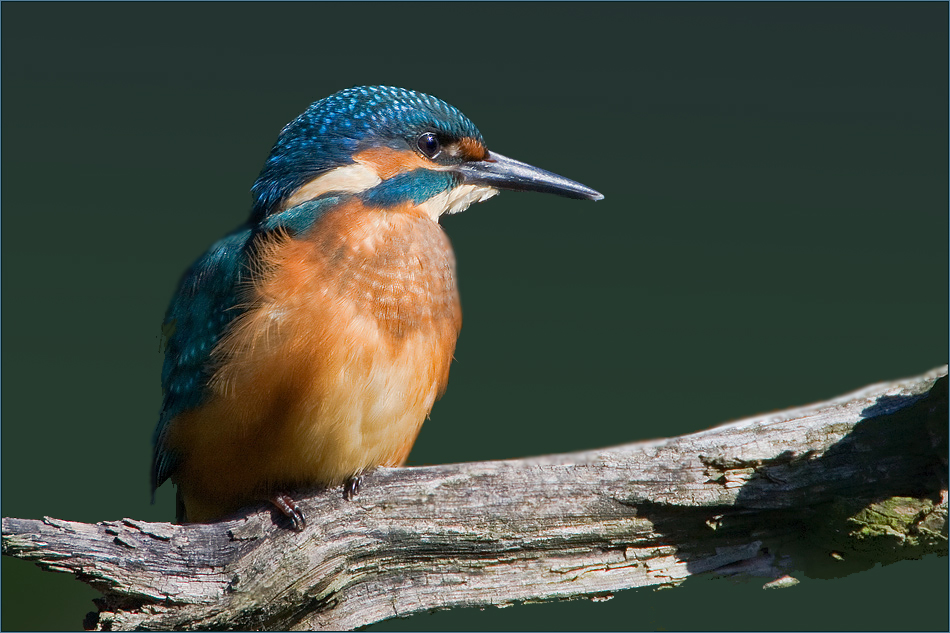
{"x":502,"y":172}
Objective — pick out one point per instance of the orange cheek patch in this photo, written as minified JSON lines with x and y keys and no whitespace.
{"x":472,"y":149}
{"x":388,"y":162}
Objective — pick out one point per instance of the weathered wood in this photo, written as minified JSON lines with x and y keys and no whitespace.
{"x":849,"y":482}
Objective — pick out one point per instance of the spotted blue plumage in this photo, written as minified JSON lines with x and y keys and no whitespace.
{"x":331,"y":130}
{"x":211,"y":293}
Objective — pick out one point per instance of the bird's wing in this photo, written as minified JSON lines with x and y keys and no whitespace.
{"x":209,"y":297}
{"x":206,"y":301}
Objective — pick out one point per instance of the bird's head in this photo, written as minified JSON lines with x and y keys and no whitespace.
{"x":389,"y":146}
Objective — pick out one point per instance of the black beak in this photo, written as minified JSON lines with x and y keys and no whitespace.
{"x":502,"y":172}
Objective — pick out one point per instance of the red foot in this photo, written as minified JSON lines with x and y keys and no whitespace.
{"x":290,"y":509}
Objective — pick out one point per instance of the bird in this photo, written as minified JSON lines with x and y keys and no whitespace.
{"x":307,"y":347}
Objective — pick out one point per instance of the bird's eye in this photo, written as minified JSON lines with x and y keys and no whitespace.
{"x":429,"y":145}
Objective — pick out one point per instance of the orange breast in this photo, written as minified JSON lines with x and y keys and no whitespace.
{"x":333,"y":368}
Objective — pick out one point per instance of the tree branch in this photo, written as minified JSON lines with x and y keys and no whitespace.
{"x":845,"y":483}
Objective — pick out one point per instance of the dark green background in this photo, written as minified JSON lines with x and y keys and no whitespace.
{"x":774,"y":232}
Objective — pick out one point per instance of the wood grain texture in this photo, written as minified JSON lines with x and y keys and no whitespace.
{"x":849,"y":483}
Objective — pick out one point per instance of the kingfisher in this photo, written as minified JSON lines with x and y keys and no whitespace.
{"x":308,"y":346}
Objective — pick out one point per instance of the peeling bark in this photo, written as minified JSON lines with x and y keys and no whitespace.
{"x":826,"y":489}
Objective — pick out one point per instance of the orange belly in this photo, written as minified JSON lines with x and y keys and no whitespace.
{"x":333,"y":367}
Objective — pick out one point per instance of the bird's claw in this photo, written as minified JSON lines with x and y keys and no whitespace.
{"x":290,"y":509}
{"x":351,"y":487}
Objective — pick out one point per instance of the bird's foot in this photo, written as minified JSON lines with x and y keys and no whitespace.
{"x":351,"y":487}
{"x":286,"y":504}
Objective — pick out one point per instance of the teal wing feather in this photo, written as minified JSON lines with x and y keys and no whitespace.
{"x":208,"y":299}
{"x":205,"y":303}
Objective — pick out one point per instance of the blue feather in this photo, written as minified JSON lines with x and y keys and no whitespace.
{"x":208,"y":299}
{"x":298,"y":219}
{"x":326,"y":136}
{"x":203,"y":306}
{"x":415,"y":186}
{"x":331,"y":130}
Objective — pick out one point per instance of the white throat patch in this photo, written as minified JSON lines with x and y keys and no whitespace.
{"x":456,"y":200}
